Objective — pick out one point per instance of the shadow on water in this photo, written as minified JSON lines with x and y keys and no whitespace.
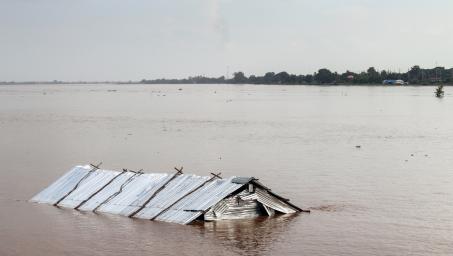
{"x":247,"y":237}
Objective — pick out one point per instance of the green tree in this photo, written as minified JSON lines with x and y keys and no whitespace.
{"x":269,"y":78}
{"x":239,"y":78}
{"x":324,"y":76}
{"x":373,"y":75}
{"x":308,"y":79}
{"x":415,"y":75}
{"x":282,"y":78}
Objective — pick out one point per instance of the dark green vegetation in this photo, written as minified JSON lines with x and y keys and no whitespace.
{"x":415,"y":75}
{"x":440,"y":91}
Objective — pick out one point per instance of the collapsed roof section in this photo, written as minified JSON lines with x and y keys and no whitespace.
{"x":177,"y":198}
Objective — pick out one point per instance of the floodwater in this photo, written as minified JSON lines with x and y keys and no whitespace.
{"x":374,"y":164}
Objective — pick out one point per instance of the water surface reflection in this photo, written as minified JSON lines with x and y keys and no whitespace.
{"x":248,"y":237}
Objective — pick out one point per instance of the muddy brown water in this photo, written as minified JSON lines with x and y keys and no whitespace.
{"x":393,"y":195}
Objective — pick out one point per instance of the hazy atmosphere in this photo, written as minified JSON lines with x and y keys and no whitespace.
{"x":226,"y":127}
{"x":132,"y":40}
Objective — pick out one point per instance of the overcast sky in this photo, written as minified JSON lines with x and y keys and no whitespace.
{"x":135,"y":39}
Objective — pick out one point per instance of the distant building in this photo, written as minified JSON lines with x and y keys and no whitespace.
{"x":393,"y":82}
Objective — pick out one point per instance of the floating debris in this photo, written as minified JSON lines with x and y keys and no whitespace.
{"x":177,"y":198}
{"x":358,"y":146}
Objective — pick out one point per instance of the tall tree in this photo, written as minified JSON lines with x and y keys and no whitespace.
{"x":239,"y":78}
{"x":415,"y":74}
{"x":324,"y":76}
{"x":373,"y":75}
{"x":269,"y":78}
{"x":282,"y":78}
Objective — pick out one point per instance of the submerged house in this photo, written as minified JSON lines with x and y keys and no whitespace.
{"x":177,"y":198}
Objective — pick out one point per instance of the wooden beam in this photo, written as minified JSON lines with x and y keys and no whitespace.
{"x":179,"y":170}
{"x":217,"y":175}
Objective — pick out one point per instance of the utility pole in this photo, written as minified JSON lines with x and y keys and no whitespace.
{"x":437,"y":78}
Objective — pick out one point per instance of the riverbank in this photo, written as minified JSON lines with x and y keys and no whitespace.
{"x":180,"y":83}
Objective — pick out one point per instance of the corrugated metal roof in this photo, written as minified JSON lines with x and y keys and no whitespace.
{"x":136,"y":192}
{"x":62,"y":186}
{"x":199,"y":201}
{"x":270,"y":201}
{"x":233,"y":207}
{"x":177,"y":198}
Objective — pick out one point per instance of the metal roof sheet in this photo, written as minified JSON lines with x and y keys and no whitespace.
{"x":268,"y":200}
{"x":100,"y":190}
{"x":177,"y":198}
{"x":134,"y":194}
{"x":199,"y":201}
{"x":62,"y":186}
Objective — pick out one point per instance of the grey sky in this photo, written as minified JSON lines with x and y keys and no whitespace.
{"x":135,"y":39}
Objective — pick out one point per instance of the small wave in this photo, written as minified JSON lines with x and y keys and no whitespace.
{"x":328,"y":208}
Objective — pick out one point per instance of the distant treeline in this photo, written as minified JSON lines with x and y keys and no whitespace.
{"x":415,"y":75}
{"x":64,"y":82}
